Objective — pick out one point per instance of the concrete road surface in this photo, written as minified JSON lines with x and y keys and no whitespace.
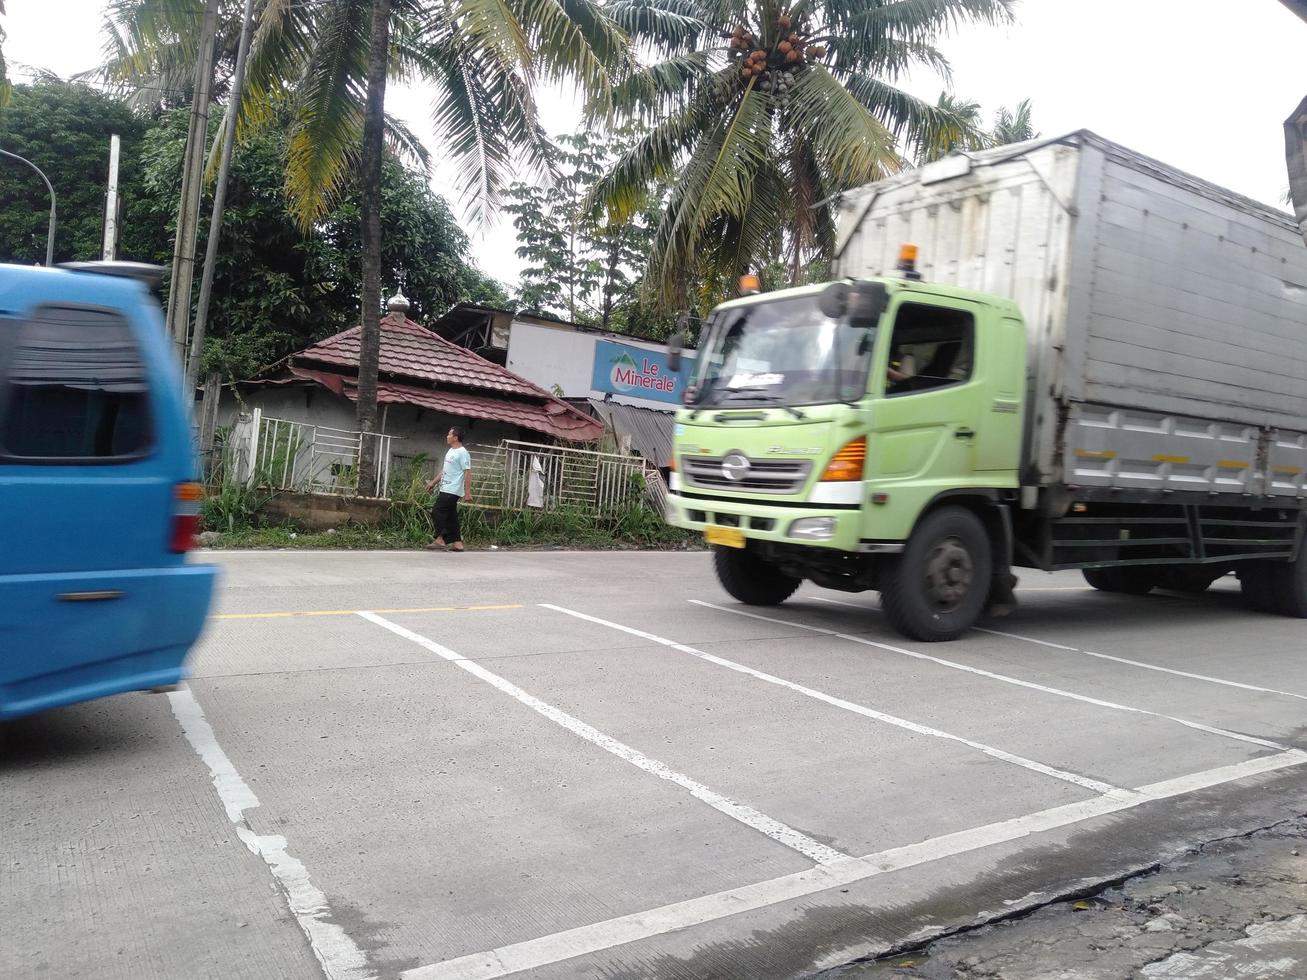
{"x":557,"y":765}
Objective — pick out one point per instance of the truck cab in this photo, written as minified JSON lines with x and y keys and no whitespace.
{"x":824,"y":423}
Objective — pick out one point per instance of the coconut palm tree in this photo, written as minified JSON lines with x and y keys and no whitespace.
{"x":1015,"y":127}
{"x":767,"y":110}
{"x":330,"y":61}
{"x":939,"y":141}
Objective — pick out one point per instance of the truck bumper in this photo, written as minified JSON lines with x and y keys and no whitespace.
{"x":834,"y":527}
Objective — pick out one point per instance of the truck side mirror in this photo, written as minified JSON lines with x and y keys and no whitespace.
{"x":861,"y":302}
{"x":675,"y":344}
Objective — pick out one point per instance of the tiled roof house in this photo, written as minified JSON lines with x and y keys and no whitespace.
{"x":421,"y":369}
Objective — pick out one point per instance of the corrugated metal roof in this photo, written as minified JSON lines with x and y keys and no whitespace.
{"x":650,"y":430}
{"x":552,"y":417}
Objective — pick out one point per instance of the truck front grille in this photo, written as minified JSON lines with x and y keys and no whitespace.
{"x":779,"y":476}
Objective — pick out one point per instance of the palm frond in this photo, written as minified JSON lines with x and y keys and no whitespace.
{"x":327,"y":130}
{"x":622,"y":192}
{"x":851,"y":142}
{"x":466,"y":118}
{"x":650,"y":92}
{"x":574,"y":39}
{"x":913,"y":122}
{"x":1015,"y":127}
{"x":717,"y":182}
{"x":495,"y":25}
{"x":406,"y":144}
{"x":890,"y":58}
{"x":666,"y":26}
{"x":921,"y":20}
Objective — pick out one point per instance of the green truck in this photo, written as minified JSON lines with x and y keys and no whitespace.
{"x":1093,"y":361}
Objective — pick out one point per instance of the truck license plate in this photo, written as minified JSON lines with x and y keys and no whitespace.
{"x":727,"y":537}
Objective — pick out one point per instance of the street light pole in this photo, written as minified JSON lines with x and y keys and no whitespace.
{"x":54,"y":217}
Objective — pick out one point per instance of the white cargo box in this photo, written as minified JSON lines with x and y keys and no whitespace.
{"x":1167,"y":316}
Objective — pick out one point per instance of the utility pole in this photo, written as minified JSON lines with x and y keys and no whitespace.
{"x":188,"y":210}
{"x":54,"y":217}
{"x":111,"y":202}
{"x":219,"y":202}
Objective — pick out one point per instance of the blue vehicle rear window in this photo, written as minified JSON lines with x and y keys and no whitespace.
{"x":73,"y":389}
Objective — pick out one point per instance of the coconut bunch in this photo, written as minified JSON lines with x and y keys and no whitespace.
{"x":773,"y":61}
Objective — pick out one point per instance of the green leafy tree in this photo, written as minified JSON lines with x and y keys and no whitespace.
{"x":765,"y":111}
{"x":1015,"y":127}
{"x":64,"y":129}
{"x":581,"y":265}
{"x":574,"y":258}
{"x":278,"y":289}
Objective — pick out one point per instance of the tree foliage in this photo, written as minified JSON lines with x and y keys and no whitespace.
{"x":1015,"y":126}
{"x":481,"y":60}
{"x":968,"y":133}
{"x":64,"y":129}
{"x":277,"y":289}
{"x":765,"y":111}
{"x":6,"y":87}
{"x":580,"y":265}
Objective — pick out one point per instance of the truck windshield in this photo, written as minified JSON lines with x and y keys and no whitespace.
{"x":781,"y":352}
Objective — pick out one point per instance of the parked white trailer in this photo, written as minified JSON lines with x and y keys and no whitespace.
{"x":1167,"y":317}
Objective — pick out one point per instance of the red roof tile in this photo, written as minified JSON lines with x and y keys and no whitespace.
{"x":552,"y":417}
{"x":411,"y":351}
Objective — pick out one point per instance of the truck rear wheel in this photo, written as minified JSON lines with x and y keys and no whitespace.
{"x":1190,"y":579}
{"x":1255,"y":581}
{"x":1288,"y":581}
{"x":937,"y":589}
{"x":749,"y":579}
{"x":1125,"y":580}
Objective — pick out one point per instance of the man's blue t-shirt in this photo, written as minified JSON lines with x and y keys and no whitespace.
{"x":457,"y":462}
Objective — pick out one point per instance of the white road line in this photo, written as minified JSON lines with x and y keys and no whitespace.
{"x":339,"y":957}
{"x":1102,"y":656}
{"x":1147,"y":666}
{"x":1006,"y":679}
{"x":534,"y":954}
{"x":747,"y":815}
{"x":1084,"y":782}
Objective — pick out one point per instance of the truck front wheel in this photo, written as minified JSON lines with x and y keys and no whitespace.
{"x":749,"y":579}
{"x":936,"y":590}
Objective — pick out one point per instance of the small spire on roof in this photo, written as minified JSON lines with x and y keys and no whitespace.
{"x":399,"y":304}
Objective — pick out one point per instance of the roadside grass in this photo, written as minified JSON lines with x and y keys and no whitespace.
{"x":235,"y":515}
{"x":638,"y":527}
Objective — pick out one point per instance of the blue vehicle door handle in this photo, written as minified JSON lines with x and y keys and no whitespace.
{"x":105,"y":595}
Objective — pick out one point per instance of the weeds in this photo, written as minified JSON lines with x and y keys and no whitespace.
{"x":233,"y":510}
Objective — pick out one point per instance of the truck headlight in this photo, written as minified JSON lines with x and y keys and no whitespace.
{"x":813,"y":528}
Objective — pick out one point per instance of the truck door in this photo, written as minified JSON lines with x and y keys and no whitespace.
{"x":926,"y":422}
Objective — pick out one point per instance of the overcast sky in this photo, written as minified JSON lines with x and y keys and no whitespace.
{"x":1204,"y":85}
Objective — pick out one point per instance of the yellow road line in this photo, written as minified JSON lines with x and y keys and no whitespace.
{"x":355,"y":612}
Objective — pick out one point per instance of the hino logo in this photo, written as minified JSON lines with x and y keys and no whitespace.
{"x":735,"y":467}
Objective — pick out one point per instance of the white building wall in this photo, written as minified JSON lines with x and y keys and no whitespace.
{"x":560,"y":357}
{"x":416,"y":430}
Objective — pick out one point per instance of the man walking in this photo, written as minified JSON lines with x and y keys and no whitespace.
{"x":455,"y":483}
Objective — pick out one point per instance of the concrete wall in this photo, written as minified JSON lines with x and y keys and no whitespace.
{"x":415,"y":430}
{"x":320,"y":511}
